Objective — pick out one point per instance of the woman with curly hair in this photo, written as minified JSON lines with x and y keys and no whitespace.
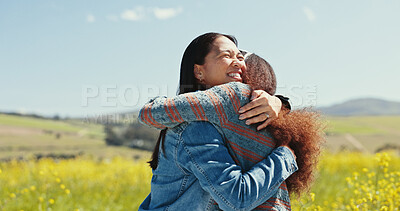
{"x":301,"y":130}
{"x":257,"y":183}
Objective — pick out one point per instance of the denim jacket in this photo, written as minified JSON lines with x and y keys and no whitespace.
{"x":219,"y":105}
{"x":195,"y":169}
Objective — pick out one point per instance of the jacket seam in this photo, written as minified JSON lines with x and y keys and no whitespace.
{"x":208,"y":180}
{"x":179,"y":138}
{"x":184,"y":181}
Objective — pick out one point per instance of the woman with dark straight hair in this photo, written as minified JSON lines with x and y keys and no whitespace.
{"x":193,"y":167}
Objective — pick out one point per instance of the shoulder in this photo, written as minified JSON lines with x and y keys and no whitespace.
{"x":233,"y":88}
{"x":233,"y":92}
{"x":237,"y":86}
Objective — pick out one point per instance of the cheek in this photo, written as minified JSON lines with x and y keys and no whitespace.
{"x":223,"y":65}
{"x":244,"y":67}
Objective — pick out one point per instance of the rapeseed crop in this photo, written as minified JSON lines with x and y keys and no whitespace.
{"x":345,"y":181}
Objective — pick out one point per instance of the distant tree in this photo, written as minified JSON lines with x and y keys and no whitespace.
{"x":111,"y":137}
{"x":56,"y":117}
{"x":142,"y":132}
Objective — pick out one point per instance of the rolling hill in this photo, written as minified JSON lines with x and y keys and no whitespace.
{"x":363,"y":107}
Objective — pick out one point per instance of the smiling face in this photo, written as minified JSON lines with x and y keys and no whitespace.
{"x":223,"y":64}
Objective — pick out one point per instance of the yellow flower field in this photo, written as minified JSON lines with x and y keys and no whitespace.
{"x":346,"y":181}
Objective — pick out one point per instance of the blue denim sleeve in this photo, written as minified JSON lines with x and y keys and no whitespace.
{"x":204,"y":153}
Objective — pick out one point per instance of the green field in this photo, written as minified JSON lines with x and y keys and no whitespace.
{"x":26,"y":136}
{"x":364,"y":125}
{"x":372,"y":132}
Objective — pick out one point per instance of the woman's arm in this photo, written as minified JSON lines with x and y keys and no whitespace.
{"x":203,"y":152}
{"x":216,"y":105}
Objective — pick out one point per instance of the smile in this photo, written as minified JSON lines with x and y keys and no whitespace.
{"x":235,"y":75}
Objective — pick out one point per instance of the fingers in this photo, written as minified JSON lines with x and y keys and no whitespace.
{"x":259,"y":118}
{"x":256,"y":93}
{"x":256,"y":111}
{"x":249,"y":106}
{"x":260,"y":100}
{"x":265,"y":124}
{"x":261,"y":109}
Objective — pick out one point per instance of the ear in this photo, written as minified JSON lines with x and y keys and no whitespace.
{"x":198,"y":72}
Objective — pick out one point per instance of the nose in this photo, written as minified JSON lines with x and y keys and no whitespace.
{"x":238,"y":63}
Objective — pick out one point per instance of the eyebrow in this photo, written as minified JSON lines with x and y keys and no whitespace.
{"x":228,"y":51}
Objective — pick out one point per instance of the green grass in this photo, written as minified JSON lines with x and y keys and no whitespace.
{"x":26,"y":136}
{"x":68,"y":126}
{"x":382,"y":125}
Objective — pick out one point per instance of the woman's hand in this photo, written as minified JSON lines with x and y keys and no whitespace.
{"x":262,"y":108}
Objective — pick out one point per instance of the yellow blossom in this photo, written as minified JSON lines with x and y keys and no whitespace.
{"x":355,"y":175}
{"x":312,"y":196}
{"x":384,"y":208}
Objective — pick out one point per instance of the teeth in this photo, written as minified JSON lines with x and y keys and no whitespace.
{"x":234,"y":75}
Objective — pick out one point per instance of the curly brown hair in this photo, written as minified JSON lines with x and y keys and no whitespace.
{"x":301,"y":130}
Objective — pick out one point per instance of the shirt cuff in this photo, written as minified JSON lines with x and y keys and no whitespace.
{"x":289,"y":156}
{"x":285,"y":101}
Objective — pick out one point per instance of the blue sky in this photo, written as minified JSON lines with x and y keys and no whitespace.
{"x":87,"y":58}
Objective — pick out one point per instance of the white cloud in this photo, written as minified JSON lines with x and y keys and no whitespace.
{"x":165,"y":13}
{"x":140,"y":13}
{"x":136,"y":14}
{"x":309,"y":13}
{"x":90,"y":18}
{"x":112,"y":18}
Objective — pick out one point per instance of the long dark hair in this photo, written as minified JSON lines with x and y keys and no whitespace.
{"x":195,"y":53}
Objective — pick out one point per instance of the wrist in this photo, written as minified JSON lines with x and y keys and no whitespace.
{"x":285,"y":102}
{"x":294,"y":155}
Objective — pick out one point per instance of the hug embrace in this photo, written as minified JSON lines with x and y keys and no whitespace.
{"x":226,"y":142}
